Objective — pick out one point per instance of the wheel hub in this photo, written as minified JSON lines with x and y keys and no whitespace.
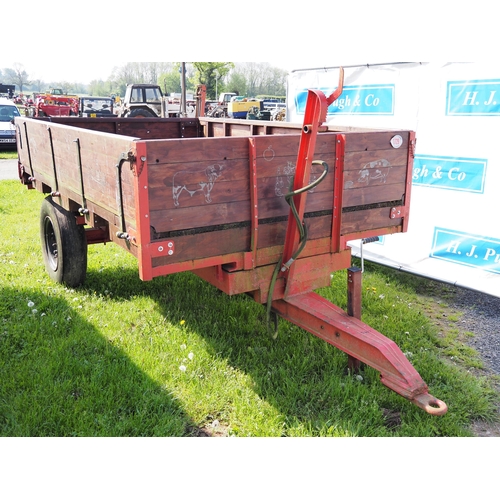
{"x":51,"y":244}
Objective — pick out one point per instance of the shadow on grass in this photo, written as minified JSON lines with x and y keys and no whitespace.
{"x":302,"y":377}
{"x":60,"y":377}
{"x":64,"y":378}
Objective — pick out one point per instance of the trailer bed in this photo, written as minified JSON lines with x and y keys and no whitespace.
{"x":184,"y":194}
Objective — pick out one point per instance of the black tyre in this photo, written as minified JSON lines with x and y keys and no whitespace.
{"x":141,"y":113}
{"x":64,"y":244}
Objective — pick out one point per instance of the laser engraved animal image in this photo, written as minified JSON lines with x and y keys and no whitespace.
{"x":285,"y":178}
{"x":371,"y":171}
{"x":201,"y":181}
{"x":374,"y":171}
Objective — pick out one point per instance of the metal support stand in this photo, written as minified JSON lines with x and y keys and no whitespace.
{"x":354,"y":279}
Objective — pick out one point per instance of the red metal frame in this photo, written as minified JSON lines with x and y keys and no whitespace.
{"x":327,"y":321}
{"x":314,"y":116}
{"x":145,"y":247}
{"x":409,"y":174}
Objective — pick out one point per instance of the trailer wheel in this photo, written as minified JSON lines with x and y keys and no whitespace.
{"x":64,"y":244}
{"x":141,"y":113}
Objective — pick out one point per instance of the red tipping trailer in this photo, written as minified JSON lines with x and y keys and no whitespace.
{"x":263,"y":208}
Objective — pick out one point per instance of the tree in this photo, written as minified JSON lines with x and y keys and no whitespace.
{"x":210,"y":74}
{"x":170,"y":82}
{"x":274,"y":81}
{"x":260,"y":78}
{"x":237,"y":83}
{"x":17,"y":75}
{"x":101,"y":88}
{"x":37,"y":85}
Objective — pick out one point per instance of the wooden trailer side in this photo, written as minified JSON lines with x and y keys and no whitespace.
{"x":199,"y":196}
{"x":377,"y":183}
{"x":81,"y":169}
{"x":376,"y":173}
{"x":199,"y":199}
{"x":186,"y":203}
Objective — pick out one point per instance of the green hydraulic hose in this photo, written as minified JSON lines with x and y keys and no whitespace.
{"x":302,"y":237}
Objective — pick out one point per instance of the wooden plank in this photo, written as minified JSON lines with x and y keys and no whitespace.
{"x":100,"y":125}
{"x":237,"y":239}
{"x":229,"y":148}
{"x":365,"y":220}
{"x":143,"y":128}
{"x":159,"y":128}
{"x":377,"y":175}
{"x":373,"y":141}
{"x":215,"y":127}
{"x":374,"y":194}
{"x":203,"y":245}
{"x":197,"y":217}
{"x":359,"y":160}
{"x":196,"y":149}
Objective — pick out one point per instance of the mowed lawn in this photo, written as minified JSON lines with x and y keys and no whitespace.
{"x":176,"y":357}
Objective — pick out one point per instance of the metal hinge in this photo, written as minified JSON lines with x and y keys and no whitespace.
{"x":398,"y":212}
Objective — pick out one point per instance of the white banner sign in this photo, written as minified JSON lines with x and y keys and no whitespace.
{"x":454,"y":228}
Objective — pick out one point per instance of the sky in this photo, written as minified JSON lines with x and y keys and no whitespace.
{"x":86,"y":43}
{"x":72,"y":71}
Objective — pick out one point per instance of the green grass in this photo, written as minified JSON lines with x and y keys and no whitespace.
{"x":5,"y":154}
{"x":176,"y":357}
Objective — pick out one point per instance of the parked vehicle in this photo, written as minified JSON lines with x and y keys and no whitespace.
{"x":231,"y":105}
{"x":8,"y":111}
{"x":7,"y":90}
{"x":218,"y":109}
{"x":147,"y":101}
{"x":95,"y":107}
{"x":53,"y":103}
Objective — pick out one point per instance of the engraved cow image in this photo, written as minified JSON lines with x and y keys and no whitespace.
{"x":201,"y":181}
